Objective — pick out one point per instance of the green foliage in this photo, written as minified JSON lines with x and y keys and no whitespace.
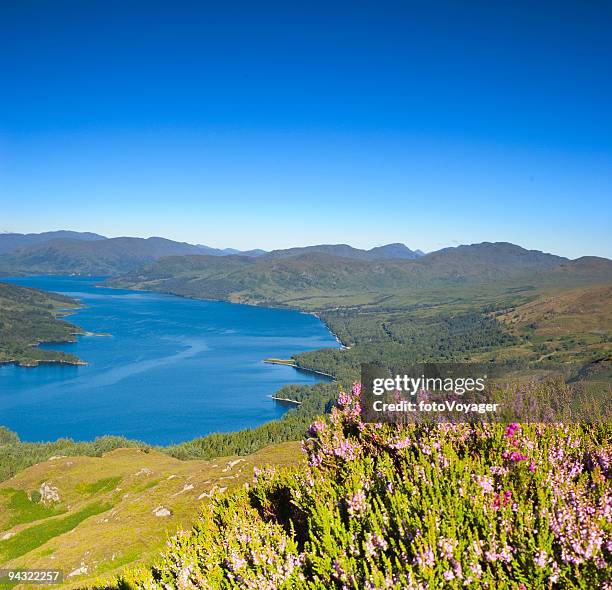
{"x":7,"y":436}
{"x":35,"y":536}
{"x":28,"y":317}
{"x":409,"y":507}
{"x":16,"y":456}
{"x":102,"y":485}
{"x":24,"y":509}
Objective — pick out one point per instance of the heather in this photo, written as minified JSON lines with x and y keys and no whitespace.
{"x":521,"y":506}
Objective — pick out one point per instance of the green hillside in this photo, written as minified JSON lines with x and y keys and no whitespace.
{"x":409,"y":507}
{"x":318,"y":280}
{"x":28,"y":317}
{"x":90,"y":257}
{"x":92,"y":516}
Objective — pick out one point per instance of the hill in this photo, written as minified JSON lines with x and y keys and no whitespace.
{"x":388,"y":252}
{"x":11,"y":241}
{"x":558,"y":322}
{"x":488,"y":257}
{"x":92,"y":257}
{"x":230,"y":251}
{"x":310,"y":279}
{"x":91,"y":516}
{"x":28,"y":317}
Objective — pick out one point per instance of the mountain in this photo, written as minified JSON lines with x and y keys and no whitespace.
{"x":10,"y":241}
{"x":492,"y":254}
{"x":92,"y":257}
{"x":388,"y":252}
{"x":309,"y":278}
{"x":252,"y":253}
{"x":587,"y":266}
{"x":229,"y":251}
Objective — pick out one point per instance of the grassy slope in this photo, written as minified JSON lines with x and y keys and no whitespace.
{"x":558,"y":322}
{"x":104,"y":519}
{"x":28,"y":317}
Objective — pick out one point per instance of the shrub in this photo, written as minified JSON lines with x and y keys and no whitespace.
{"x":427,"y":506}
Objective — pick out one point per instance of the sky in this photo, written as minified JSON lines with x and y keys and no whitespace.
{"x":278,"y":124}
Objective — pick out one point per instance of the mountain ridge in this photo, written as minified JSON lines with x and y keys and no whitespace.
{"x":305,"y":278}
{"x":387,"y":252}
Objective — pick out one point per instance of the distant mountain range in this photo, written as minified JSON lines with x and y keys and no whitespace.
{"x":105,"y":256}
{"x":11,"y":242}
{"x":65,"y":252}
{"x":230,"y":251}
{"x":279,"y":276}
{"x":388,"y":252}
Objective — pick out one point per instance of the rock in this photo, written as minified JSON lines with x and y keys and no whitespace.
{"x":48,"y":493}
{"x":208,"y":494}
{"x":6,"y":536}
{"x":231,"y":464}
{"x":187,"y":487}
{"x":79,"y":571}
{"x":144,"y":471}
{"x":162,"y":511}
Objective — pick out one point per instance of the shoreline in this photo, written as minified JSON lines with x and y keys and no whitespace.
{"x":292,"y":363}
{"x":286,"y":400}
{"x":36,"y":363}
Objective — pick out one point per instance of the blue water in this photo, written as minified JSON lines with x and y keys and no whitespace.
{"x":173,"y":369}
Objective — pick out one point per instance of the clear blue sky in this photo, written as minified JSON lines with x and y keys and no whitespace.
{"x":271,"y":124}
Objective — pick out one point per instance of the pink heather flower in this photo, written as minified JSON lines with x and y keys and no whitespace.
{"x":447,"y":546}
{"x":511,"y":429}
{"x":532,"y":466}
{"x":502,"y":499}
{"x":316,"y":427}
{"x":343,"y":399}
{"x":402,"y":443}
{"x":448,"y":575}
{"x":373,"y":543}
{"x":425,"y":559}
{"x":485,"y":482}
{"x":345,"y":449}
{"x":356,"y":391}
{"x":476,"y":569}
{"x":357,"y":504}
{"x":541,"y":558}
